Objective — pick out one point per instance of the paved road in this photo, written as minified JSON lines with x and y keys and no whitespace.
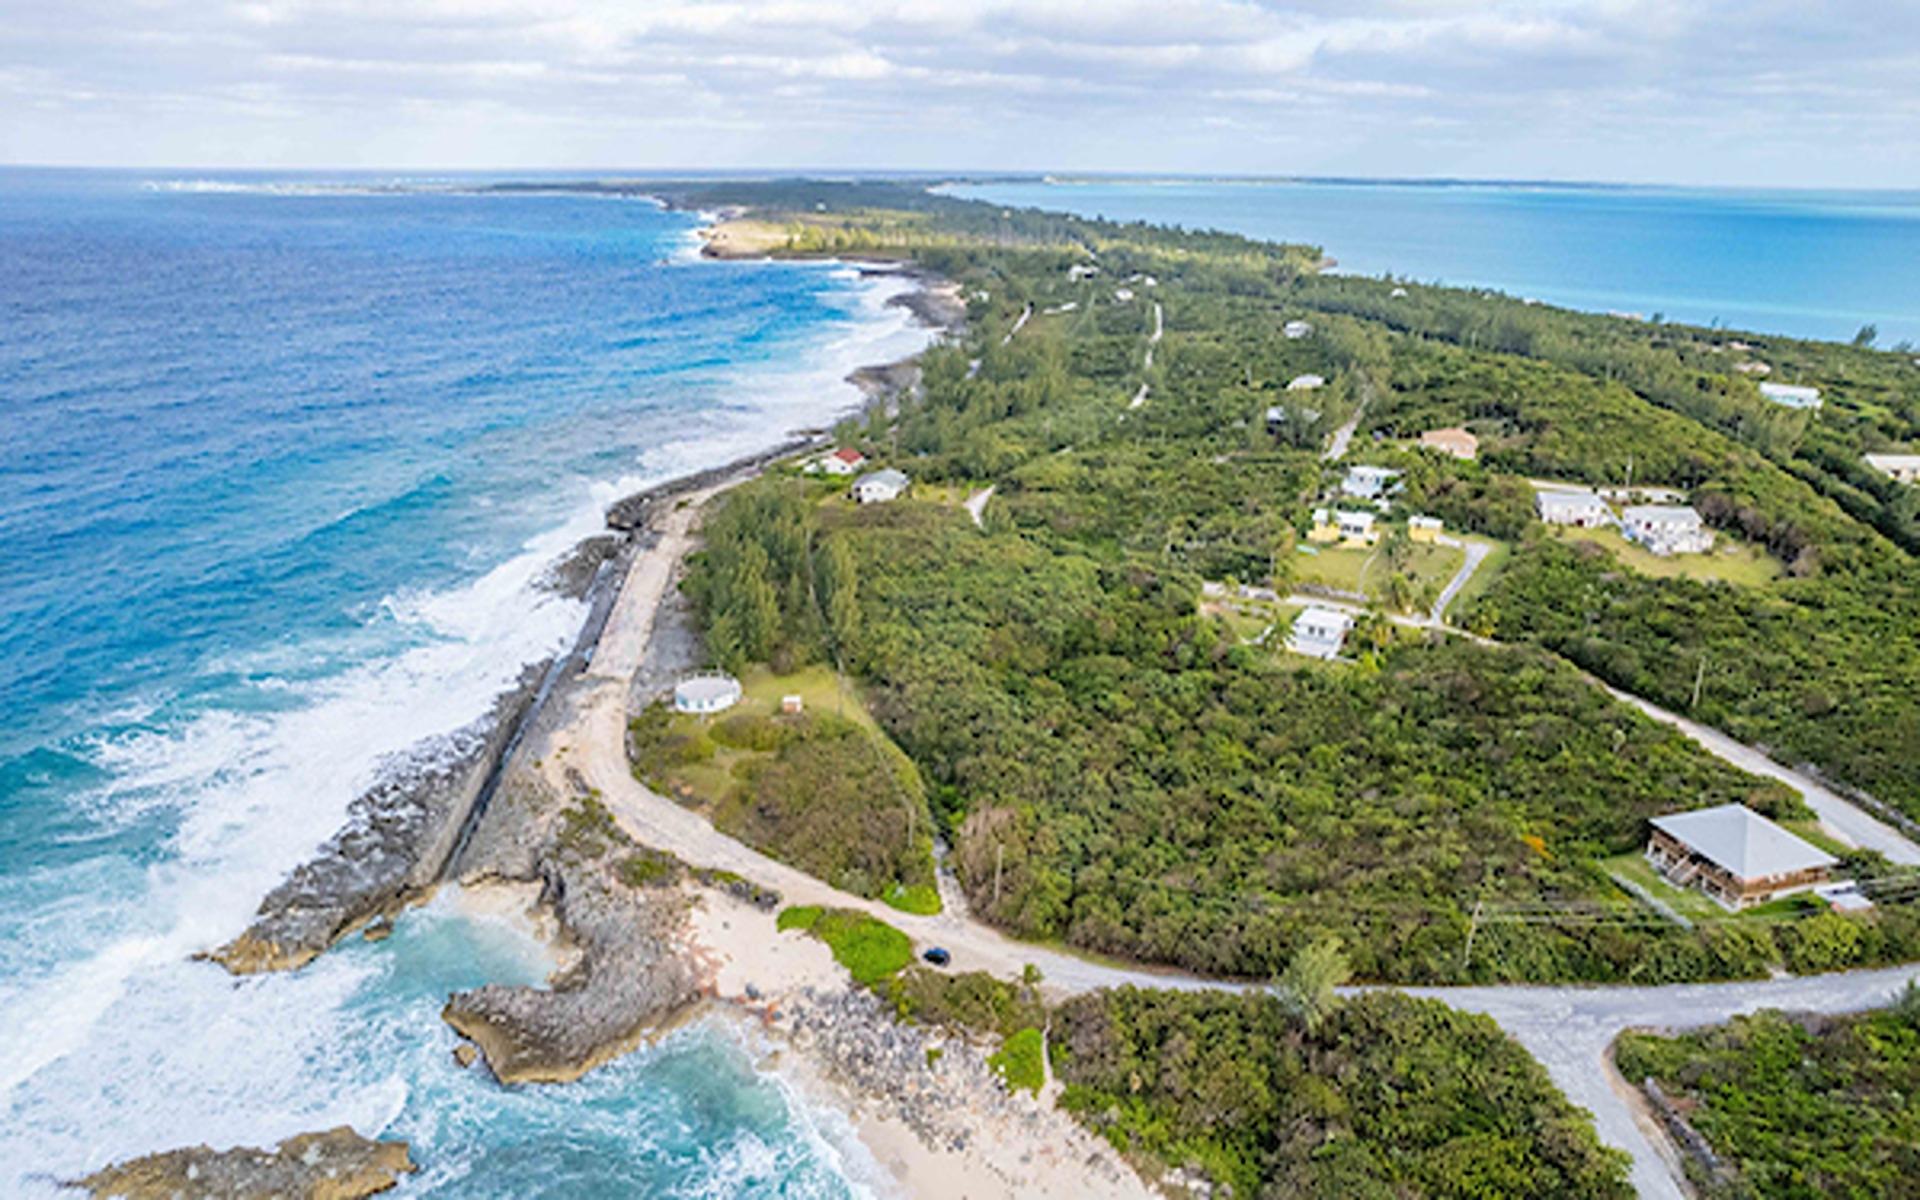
{"x":1836,"y":812}
{"x":1476,"y":553}
{"x":1567,"y":1029}
{"x":1025,"y":313}
{"x":977,"y":506}
{"x":1337,"y":448}
{"x":1146,"y":363}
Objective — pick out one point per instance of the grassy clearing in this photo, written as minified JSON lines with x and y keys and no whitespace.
{"x":1020,"y":1061}
{"x":1364,"y":570}
{"x":1729,"y":561}
{"x":922,"y":899}
{"x":1685,"y":901}
{"x":1483,"y":577}
{"x":823,"y":789}
{"x":870,"y":949}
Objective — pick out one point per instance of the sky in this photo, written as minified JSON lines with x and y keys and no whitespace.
{"x":1732,"y":92}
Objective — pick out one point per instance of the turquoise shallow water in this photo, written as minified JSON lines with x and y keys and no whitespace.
{"x":1808,"y":263}
{"x":280,"y":466}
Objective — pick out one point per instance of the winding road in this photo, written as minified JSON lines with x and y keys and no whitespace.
{"x":1567,"y":1028}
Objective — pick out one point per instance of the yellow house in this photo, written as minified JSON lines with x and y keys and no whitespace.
{"x":1424,"y":529}
{"x":1325,"y":530}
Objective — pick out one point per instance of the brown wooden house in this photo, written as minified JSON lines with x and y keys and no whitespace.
{"x":1735,"y":855}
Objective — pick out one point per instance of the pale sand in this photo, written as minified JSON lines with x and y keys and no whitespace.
{"x":1017,"y":1146}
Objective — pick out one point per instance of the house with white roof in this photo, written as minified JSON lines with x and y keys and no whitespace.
{"x":1305,"y":383}
{"x":878,"y":487}
{"x":1735,"y":855}
{"x":1295,"y":330}
{"x":1368,"y":483}
{"x":1791,"y":395}
{"x":1901,"y":468}
{"x":1666,"y":528}
{"x":1349,"y":527}
{"x":1319,"y":632}
{"x":1572,"y":506}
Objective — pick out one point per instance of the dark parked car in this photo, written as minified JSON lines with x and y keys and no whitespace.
{"x":937,"y":957}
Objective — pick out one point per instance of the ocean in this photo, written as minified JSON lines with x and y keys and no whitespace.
{"x":283,"y":461}
{"x":1817,"y":264}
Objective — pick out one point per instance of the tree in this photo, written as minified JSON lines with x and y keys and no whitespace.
{"x":1868,"y":335}
{"x":1306,"y":987}
{"x":839,"y":596}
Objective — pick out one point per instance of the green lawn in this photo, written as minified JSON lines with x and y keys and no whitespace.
{"x":817,"y":686}
{"x":1685,"y":901}
{"x":1483,"y":578}
{"x":1362,"y":569}
{"x":1729,"y":561}
{"x":869,"y":948}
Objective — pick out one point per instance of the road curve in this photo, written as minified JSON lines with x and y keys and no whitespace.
{"x":1567,"y":1028}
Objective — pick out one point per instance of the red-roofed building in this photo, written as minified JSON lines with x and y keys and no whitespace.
{"x":844,"y":461}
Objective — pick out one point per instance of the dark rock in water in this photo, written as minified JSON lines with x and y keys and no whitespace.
{"x":629,"y":979}
{"x":378,"y":930}
{"x":632,"y":512}
{"x":336,"y":1165}
{"x":572,"y":575}
{"x":465,"y":1054}
{"x":398,"y":839}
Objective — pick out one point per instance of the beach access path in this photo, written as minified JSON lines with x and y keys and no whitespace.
{"x":1567,"y":1028}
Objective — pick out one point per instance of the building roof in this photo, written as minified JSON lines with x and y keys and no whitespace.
{"x":848,"y":455}
{"x":1420,"y":521}
{"x":1301,"y":383}
{"x":1354,"y":516}
{"x":1316,"y":616}
{"x":1792,"y":395}
{"x":1743,"y":842}
{"x":1453,"y":435}
{"x":1890,"y":462}
{"x":886,"y":477}
{"x":706,"y":689}
{"x":1567,"y":498}
{"x":1660,"y":514}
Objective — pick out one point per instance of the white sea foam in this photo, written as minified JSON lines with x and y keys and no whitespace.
{"x":254,"y":789}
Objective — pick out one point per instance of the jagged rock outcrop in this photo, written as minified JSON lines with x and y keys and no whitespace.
{"x":397,"y":841}
{"x":630,"y":978}
{"x":338,"y":1164}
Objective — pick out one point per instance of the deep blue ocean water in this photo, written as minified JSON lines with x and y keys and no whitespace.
{"x":280,"y":468}
{"x":1809,"y":263}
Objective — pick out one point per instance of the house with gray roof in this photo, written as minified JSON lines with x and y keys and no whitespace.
{"x":1735,"y":856}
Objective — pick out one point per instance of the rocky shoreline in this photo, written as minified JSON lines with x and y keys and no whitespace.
{"x":337,"y":1164}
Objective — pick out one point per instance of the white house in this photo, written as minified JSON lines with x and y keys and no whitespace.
{"x":1295,"y":330}
{"x":1368,"y":483}
{"x":1572,"y":506}
{"x":1789,"y":395}
{"x":1305,"y":383}
{"x":1278,"y":418}
{"x":878,"y":487}
{"x":844,"y":461}
{"x":1320,"y":631}
{"x":1079,"y":271}
{"x":1666,"y":528}
{"x":1123,"y":295}
{"x":1901,"y":468}
{"x":1397,"y":293}
{"x":705,"y":694}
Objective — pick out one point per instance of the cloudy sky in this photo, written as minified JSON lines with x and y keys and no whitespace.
{"x":1786,"y":92}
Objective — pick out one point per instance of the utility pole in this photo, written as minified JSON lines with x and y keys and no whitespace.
{"x":999,"y":859}
{"x":1699,"y":677}
{"x":1466,"y":958}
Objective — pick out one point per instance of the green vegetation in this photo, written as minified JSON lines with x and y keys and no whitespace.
{"x":869,"y":948}
{"x":828,"y":793}
{"x":922,"y":899}
{"x":1116,"y":770}
{"x":1796,"y":1107}
{"x":1020,"y":1062}
{"x":973,"y":1002}
{"x":1728,"y":562}
{"x":1387,"y":1096}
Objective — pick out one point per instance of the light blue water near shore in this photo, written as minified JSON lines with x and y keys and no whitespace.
{"x":280,"y":468}
{"x":1815,"y":264}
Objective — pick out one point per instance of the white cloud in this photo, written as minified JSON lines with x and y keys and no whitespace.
{"x":1547,"y":87}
